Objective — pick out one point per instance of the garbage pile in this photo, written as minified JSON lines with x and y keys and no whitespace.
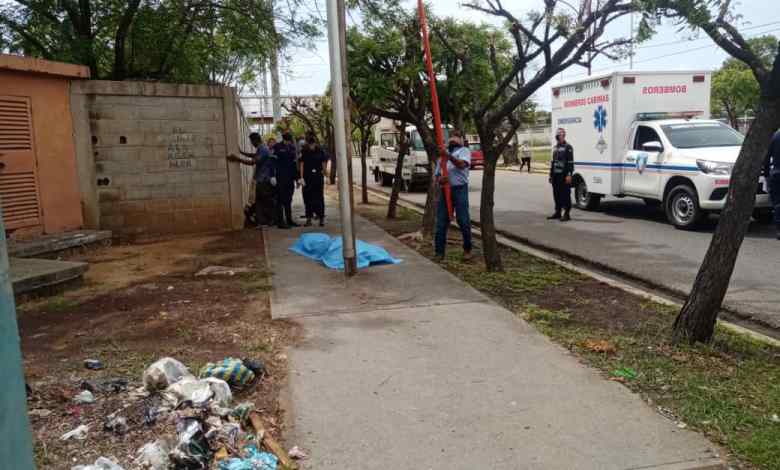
{"x":206,"y":430}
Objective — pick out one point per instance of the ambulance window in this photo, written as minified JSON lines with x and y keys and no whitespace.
{"x":644,"y":135}
{"x":388,"y":140}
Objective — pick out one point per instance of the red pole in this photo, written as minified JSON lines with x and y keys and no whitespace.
{"x":435,"y":105}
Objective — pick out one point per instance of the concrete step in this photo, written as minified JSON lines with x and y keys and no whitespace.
{"x":32,"y":276}
{"x":48,"y":245}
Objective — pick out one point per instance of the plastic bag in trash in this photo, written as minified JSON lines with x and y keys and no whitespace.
{"x":222,"y":432}
{"x":85,"y":397}
{"x":192,"y":449}
{"x":254,"y":460}
{"x":190,"y":389}
{"x":222,"y":394}
{"x":164,"y":373}
{"x":79,"y":433}
{"x":231,"y":370}
{"x":101,"y":463}
{"x":154,"y":455}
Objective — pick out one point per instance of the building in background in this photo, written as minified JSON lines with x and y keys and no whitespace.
{"x":259,"y":109}
{"x":39,"y":184}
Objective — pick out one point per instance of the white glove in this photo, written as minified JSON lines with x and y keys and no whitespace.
{"x":302,"y":182}
{"x":273,"y":181}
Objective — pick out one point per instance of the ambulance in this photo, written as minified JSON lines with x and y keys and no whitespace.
{"x":648,"y":135}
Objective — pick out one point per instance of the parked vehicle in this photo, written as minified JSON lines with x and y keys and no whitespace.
{"x":416,"y":168}
{"x":647,"y":135}
{"x":477,"y":157}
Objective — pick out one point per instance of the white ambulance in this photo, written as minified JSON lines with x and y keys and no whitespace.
{"x":648,"y":135}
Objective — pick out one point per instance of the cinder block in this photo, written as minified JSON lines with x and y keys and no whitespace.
{"x":213,"y":176}
{"x":109,"y":195}
{"x":182,"y":204}
{"x":180,"y":178}
{"x":154,"y":179}
{"x":138,"y":193}
{"x":132,"y":206}
{"x":159,"y":205}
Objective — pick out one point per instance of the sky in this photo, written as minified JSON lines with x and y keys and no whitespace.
{"x":308,"y":70}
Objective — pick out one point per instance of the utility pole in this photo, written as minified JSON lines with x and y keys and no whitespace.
{"x":16,"y":449}
{"x":340,"y":137}
{"x":347,"y":103}
{"x":274,"y":62}
{"x":631,"y":52}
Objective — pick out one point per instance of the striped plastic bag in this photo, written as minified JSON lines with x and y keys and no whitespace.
{"x":231,"y":370}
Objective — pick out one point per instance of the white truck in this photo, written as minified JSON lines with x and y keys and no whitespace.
{"x":384,"y":155}
{"x":648,"y":135}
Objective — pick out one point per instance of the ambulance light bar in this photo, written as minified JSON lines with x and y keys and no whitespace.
{"x":659,"y":116}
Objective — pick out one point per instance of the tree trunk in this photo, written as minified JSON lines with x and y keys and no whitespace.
{"x":392,"y":206}
{"x":696,"y":321}
{"x":120,"y":61}
{"x":432,"y":198}
{"x":364,"y":169}
{"x":488,"y":226}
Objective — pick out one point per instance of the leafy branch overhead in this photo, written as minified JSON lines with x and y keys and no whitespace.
{"x":196,"y":41}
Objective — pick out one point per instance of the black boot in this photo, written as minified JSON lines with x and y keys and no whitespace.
{"x":555,"y":216}
{"x":565,"y":217}
{"x":308,"y":222}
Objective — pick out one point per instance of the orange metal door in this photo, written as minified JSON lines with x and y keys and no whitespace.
{"x":18,"y":181}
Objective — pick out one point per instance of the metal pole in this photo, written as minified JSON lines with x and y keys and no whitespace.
{"x":446,"y":188}
{"x":274,"y":62}
{"x":16,"y":449}
{"x":631,"y":53}
{"x":347,"y":104}
{"x":340,"y":137}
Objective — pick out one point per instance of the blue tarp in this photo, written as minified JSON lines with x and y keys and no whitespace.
{"x":327,"y":250}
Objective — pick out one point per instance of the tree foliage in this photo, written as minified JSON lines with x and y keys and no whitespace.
{"x":735,"y":91}
{"x":720,"y":20}
{"x":544,"y":43}
{"x":194,"y":41}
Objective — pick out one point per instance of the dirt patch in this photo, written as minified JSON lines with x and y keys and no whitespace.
{"x":139,"y":303}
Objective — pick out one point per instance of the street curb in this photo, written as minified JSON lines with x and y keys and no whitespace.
{"x":552,"y":255}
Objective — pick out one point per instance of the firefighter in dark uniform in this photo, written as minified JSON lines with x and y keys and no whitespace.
{"x":561,"y":171}
{"x":286,"y":177}
{"x":772,"y":174}
{"x":313,"y":163}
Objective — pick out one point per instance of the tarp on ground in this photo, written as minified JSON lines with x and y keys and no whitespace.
{"x":327,"y":250}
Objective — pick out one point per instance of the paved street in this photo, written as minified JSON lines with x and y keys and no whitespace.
{"x":627,"y":236}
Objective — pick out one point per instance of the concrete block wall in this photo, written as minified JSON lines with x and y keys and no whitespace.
{"x":157,"y":158}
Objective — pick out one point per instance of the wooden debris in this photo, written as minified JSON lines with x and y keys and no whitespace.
{"x":269,"y":442}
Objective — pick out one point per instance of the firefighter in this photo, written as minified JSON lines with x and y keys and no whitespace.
{"x":561,"y":170}
{"x":286,"y":176}
{"x":772,"y":174}
{"x":313,"y":164}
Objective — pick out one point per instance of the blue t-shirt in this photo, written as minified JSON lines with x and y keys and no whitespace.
{"x":458,"y":176}
{"x":264,"y":164}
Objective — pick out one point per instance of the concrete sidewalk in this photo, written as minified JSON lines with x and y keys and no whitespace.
{"x":406,"y":367}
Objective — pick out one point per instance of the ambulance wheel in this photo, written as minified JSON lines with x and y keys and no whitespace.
{"x":763,"y":216}
{"x":585,"y":200}
{"x":682,"y":208}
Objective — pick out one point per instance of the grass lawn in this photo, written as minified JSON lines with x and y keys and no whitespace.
{"x":728,"y":390}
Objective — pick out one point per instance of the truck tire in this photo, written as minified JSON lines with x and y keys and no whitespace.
{"x":763,"y":216}
{"x":387,"y":180}
{"x":583,"y":199}
{"x":682,"y":208}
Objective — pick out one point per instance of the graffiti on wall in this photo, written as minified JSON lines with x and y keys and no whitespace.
{"x":180,"y":154}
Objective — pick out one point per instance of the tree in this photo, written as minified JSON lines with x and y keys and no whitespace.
{"x":735,"y":91}
{"x":363,"y":118}
{"x":196,"y":41}
{"x":546,"y":43}
{"x":403,"y":150}
{"x":718,"y":20}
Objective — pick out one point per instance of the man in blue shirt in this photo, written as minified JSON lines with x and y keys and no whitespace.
{"x":458,"y":162}
{"x":265,"y":178}
{"x":772,"y":174}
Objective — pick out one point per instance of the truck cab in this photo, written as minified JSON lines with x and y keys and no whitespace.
{"x":682,"y":164}
{"x":416,"y":171}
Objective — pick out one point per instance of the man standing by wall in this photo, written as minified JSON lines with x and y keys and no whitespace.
{"x":772,"y":173}
{"x":265,"y":179}
{"x":286,"y":175}
{"x":458,"y":162}
{"x":561,"y":170}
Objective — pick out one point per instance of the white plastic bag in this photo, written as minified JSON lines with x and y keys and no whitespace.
{"x":101,"y":463}
{"x":164,"y":373}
